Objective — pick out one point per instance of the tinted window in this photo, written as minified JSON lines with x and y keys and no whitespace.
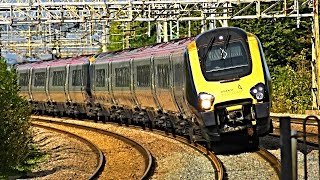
{"x":163,"y":75}
{"x":178,"y":74}
{"x":39,"y":79}
{"x":23,"y":79}
{"x":122,"y":77}
{"x":100,"y":76}
{"x":58,"y":78}
{"x":143,"y":76}
{"x":77,"y":78}
{"x":221,"y":63}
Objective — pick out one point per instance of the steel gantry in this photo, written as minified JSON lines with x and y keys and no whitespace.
{"x":72,"y":27}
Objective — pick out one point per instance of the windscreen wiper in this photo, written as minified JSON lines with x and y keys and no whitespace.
{"x":224,"y":53}
{"x":208,"y":48}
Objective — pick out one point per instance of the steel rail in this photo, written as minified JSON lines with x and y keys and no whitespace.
{"x":273,"y":160}
{"x":309,"y":142}
{"x":101,"y":161}
{"x":143,"y":151}
{"x":209,"y":154}
{"x":217,"y":164}
{"x":297,"y":119}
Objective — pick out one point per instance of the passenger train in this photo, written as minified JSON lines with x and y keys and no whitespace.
{"x":202,"y":87}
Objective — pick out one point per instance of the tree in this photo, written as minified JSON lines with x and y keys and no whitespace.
{"x":15,"y":131}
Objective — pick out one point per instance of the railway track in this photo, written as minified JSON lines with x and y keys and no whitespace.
{"x":110,"y":143}
{"x":215,"y":162}
{"x":98,"y":152}
{"x":312,"y":132}
{"x":219,"y":174}
{"x":272,"y":159}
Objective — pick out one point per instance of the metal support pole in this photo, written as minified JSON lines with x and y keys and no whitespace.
{"x":285,"y":145}
{"x":158,"y":32}
{"x":165,"y":31}
{"x":316,"y":42}
{"x":294,"y":153}
{"x":189,"y":28}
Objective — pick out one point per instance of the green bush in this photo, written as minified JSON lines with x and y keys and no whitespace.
{"x":292,"y":89}
{"x":15,"y":131}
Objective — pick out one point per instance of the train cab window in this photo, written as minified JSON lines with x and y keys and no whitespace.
{"x":58,"y":78}
{"x":100,"y":76}
{"x":232,"y":62}
{"x":122,"y":77}
{"x":77,"y":77}
{"x":39,"y":79}
{"x":143,"y":76}
{"x":163,"y":76}
{"x":23,"y":79}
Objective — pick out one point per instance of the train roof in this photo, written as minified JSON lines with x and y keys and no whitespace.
{"x":160,"y":49}
{"x":55,"y":63}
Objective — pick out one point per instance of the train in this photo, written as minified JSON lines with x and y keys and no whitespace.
{"x":202,"y":87}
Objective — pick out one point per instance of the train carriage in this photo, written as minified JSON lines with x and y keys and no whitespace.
{"x":203,"y":87}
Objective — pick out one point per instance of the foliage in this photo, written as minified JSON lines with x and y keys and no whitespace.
{"x":292,"y":89}
{"x":288,"y":53}
{"x":14,"y":122}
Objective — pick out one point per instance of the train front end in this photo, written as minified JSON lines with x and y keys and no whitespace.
{"x":229,"y":89}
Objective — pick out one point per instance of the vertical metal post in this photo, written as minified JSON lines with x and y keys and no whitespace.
{"x":294,"y":154}
{"x":165,"y":31}
{"x":189,"y":28}
{"x":285,"y":145}
{"x":29,"y":43}
{"x":127,"y":34}
{"x":158,"y":31}
{"x":316,"y":42}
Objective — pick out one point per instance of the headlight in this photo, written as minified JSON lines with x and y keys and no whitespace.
{"x":206,"y":100}
{"x":258,"y":91}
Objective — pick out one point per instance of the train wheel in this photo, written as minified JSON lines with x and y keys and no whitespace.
{"x":120,"y":121}
{"x":173,"y":129}
{"x":209,"y":145}
{"x":151,"y":125}
{"x":191,"y":133}
{"x":128,"y":121}
{"x":253,"y":141}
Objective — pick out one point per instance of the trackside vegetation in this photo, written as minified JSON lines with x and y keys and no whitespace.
{"x":17,"y":154}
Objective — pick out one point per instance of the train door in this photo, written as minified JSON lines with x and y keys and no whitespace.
{"x":121,"y":84}
{"x":132,"y":84}
{"x":142,"y":71}
{"x":23,"y":82}
{"x":163,"y":85}
{"x":179,"y":82}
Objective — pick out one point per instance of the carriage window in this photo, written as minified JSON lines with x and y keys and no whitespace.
{"x":58,"y":78}
{"x":178,"y":74}
{"x":76,"y":77}
{"x":143,"y":76}
{"x":100,"y":76}
{"x":23,"y":79}
{"x":122,"y":77}
{"x":163,"y":75}
{"x":39,"y":79}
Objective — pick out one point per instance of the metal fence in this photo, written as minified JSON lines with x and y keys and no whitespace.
{"x":289,"y":146}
